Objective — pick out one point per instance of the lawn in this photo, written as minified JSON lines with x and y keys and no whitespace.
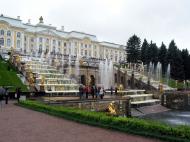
{"x":8,"y":77}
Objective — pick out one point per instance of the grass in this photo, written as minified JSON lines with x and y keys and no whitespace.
{"x":8,"y":76}
{"x":129,"y":125}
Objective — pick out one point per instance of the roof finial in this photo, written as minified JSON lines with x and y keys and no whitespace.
{"x":41,"y":20}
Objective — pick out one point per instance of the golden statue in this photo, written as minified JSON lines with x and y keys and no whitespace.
{"x":42,"y":81}
{"x":112,"y":108}
{"x":31,"y":79}
{"x":18,"y":58}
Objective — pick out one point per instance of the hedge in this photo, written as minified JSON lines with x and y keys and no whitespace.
{"x":137,"y":126}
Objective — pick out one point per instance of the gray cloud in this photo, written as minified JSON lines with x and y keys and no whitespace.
{"x":111,"y":20}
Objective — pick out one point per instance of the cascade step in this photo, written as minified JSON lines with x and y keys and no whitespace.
{"x":146,"y":101}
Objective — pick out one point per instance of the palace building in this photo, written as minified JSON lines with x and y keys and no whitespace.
{"x":47,"y":39}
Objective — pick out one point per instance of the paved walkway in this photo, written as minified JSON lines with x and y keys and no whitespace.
{"x":22,"y":125}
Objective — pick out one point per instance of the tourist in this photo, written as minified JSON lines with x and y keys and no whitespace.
{"x":2,"y":91}
{"x":111,"y":90}
{"x":86,"y":91}
{"x":93,"y":91}
{"x":97,"y":90}
{"x":6,"y":95}
{"x":81,"y":91}
{"x":18,"y":94}
{"x":101,"y":93}
{"x":116,"y":90}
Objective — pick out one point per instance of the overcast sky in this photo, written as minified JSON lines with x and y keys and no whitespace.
{"x":111,"y":20}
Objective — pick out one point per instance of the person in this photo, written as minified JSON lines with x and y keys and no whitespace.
{"x":81,"y":91}
{"x":101,"y":93}
{"x":97,"y":91}
{"x":6,"y":95}
{"x":86,"y":91}
{"x":111,"y":89}
{"x":2,"y":91}
{"x":116,"y":90}
{"x":93,"y":91}
{"x":18,"y":94}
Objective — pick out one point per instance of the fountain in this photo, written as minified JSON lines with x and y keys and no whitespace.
{"x":106,"y":73}
{"x":70,"y":69}
{"x":168,"y":74}
{"x":77,"y":71}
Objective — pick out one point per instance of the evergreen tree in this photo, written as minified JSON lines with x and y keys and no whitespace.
{"x":186,"y":63}
{"x":153,"y":52}
{"x":175,"y":59}
{"x":133,"y":49}
{"x":144,"y":50}
{"x":162,"y":57}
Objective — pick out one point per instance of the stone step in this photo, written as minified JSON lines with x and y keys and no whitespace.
{"x":140,"y":95}
{"x":152,"y":101}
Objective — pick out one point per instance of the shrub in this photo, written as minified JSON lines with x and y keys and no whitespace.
{"x":129,"y":125}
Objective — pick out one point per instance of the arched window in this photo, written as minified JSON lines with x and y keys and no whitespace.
{"x":8,"y":33}
{"x":18,"y":34}
{"x":9,"y":42}
{"x":1,"y":41}
{"x":2,"y":32}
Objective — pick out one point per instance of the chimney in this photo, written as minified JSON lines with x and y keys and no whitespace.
{"x":62,"y":28}
{"x":18,"y":17}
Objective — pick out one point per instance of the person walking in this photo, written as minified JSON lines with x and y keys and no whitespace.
{"x":6,"y":95}
{"x":81,"y":91}
{"x":18,"y":94}
{"x":2,"y":91}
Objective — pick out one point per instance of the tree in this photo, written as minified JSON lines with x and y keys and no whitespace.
{"x":162,"y":57}
{"x":144,"y":50}
{"x":152,"y":53}
{"x":175,"y":59}
{"x":186,"y":64}
{"x":133,"y":49}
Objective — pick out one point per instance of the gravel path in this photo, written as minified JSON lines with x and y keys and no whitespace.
{"x":22,"y":125}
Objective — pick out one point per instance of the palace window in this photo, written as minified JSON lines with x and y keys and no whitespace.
{"x":82,"y":52}
{"x":115,"y":58}
{"x":24,"y":38}
{"x":69,"y":50}
{"x":75,"y":43}
{"x":9,"y":42}
{"x":75,"y":51}
{"x":1,"y":41}
{"x":54,"y":41}
{"x":59,"y":43}
{"x":18,"y":44}
{"x":8,"y":33}
{"x":81,"y":44}
{"x":89,"y":53}
{"x":18,"y":35}
{"x":40,"y":49}
{"x":85,"y":52}
{"x":89,"y":45}
{"x":85,"y":45}
{"x":2,"y":32}
{"x":95,"y":54}
{"x":32,"y":39}
{"x":40,"y":39}
{"x":65,"y":51}
{"x":47,"y":40}
{"x":65,"y":44}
